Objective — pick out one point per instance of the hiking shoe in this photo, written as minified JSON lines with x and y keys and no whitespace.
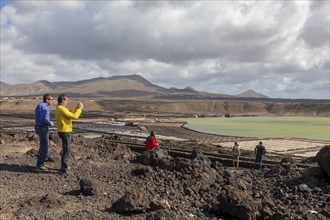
{"x":41,"y":168}
{"x":63,"y":172}
{"x":46,"y":166}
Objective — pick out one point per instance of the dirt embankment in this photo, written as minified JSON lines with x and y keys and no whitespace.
{"x":220,"y":107}
{"x":186,"y":107}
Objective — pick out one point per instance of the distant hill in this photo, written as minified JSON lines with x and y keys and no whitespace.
{"x":128,"y":86}
{"x":251,"y":94}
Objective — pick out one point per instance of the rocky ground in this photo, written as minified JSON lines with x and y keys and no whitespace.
{"x":111,"y":177}
{"x":190,"y":176}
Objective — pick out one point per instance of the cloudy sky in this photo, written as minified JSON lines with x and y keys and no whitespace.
{"x":277,"y":48}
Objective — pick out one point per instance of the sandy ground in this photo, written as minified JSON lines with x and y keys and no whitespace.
{"x":298,"y":148}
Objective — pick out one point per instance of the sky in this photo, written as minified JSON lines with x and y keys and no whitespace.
{"x":277,"y":48}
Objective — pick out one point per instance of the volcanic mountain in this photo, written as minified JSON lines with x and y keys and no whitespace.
{"x":128,"y":86}
{"x":251,"y":94}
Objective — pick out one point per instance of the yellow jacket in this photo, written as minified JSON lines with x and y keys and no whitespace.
{"x":64,"y":118}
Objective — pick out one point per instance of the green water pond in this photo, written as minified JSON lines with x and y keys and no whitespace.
{"x":317,"y":128}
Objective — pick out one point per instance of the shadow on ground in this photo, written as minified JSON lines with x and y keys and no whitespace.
{"x":24,"y":169}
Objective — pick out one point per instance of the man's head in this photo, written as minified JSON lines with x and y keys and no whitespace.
{"x":47,"y":98}
{"x":260,"y":142}
{"x":63,"y":99}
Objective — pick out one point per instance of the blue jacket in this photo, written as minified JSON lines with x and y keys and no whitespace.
{"x":42,"y":115}
{"x":260,"y":150}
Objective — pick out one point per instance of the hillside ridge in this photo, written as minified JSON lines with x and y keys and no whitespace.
{"x":120,"y":86}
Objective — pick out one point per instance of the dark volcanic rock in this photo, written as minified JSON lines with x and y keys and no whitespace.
{"x":238,"y":204}
{"x":36,"y":204}
{"x":142,"y":171}
{"x":288,"y":164}
{"x":198,"y":158}
{"x":323,"y":159}
{"x":162,"y":215}
{"x":172,"y":184}
{"x":90,"y":187}
{"x":132,"y":202}
{"x":53,"y":136}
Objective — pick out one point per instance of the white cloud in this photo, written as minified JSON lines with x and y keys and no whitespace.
{"x":20,"y":67}
{"x":71,"y":4}
{"x":278,"y":48}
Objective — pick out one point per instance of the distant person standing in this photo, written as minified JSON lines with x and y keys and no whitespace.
{"x":236,"y":152}
{"x":151,"y":142}
{"x":64,"y":119}
{"x":259,"y":151}
{"x":42,"y":124}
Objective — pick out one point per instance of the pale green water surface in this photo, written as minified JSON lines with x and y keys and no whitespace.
{"x":266,"y":127}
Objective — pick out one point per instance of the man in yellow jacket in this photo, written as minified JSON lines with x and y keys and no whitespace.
{"x":64,"y":119}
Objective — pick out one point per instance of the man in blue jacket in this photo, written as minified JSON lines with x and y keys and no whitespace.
{"x":259,"y":151}
{"x":42,"y":123}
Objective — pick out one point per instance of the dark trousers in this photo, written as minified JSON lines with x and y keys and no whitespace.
{"x":42,"y":132}
{"x":259,"y":161}
{"x":66,"y":142}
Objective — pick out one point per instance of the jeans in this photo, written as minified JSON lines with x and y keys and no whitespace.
{"x":66,"y":142}
{"x":259,"y":161}
{"x":42,"y":132}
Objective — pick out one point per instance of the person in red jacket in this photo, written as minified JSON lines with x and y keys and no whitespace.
{"x":151,"y":141}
